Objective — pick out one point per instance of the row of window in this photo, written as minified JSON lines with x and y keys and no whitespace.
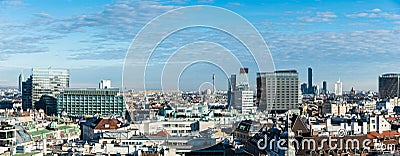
{"x":180,"y":131}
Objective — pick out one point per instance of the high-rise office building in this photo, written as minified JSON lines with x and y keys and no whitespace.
{"x":27,"y":94}
{"x":316,"y":90}
{"x":304,"y":88}
{"x":20,"y":80}
{"x":310,"y":82}
{"x":338,"y":88}
{"x":233,"y":82}
{"x":241,"y":97}
{"x":324,"y":88}
{"x":389,"y":85}
{"x":105,"y":84}
{"x":45,"y":81}
{"x":242,"y":82}
{"x":91,"y":102}
{"x":48,"y":81}
{"x":278,"y":91}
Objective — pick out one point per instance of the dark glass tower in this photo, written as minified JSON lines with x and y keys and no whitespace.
{"x":304,"y":89}
{"x":310,"y":86}
{"x":324,"y":89}
{"x":27,"y":94}
{"x":389,"y":85}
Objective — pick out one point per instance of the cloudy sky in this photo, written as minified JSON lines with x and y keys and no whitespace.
{"x":355,"y":41}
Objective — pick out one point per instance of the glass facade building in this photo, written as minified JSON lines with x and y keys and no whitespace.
{"x":389,"y":85}
{"x":27,"y":94}
{"x":48,"y":81}
{"x":91,"y":102}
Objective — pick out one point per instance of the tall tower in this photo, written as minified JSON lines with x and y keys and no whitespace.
{"x":20,"y":80}
{"x":324,"y":89}
{"x":213,"y":79}
{"x":310,"y":82}
{"x":338,"y":88}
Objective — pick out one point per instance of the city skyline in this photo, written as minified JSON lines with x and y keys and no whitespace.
{"x":336,"y":43}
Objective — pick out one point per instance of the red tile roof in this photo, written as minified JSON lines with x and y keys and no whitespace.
{"x":390,"y":134}
{"x":392,"y":119}
{"x":107,"y":124}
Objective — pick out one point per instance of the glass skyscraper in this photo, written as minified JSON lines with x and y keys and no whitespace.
{"x":389,"y":85}
{"x":27,"y":94}
{"x":48,"y":81}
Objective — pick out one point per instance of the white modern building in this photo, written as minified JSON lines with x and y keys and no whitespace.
{"x":248,"y":102}
{"x":338,"y":88}
{"x":174,"y":128}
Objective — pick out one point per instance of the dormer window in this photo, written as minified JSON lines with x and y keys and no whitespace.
{"x":107,"y":125}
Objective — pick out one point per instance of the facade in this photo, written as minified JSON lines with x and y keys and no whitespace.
{"x":172,"y":127}
{"x":338,"y":88}
{"x":280,"y":91}
{"x":91,"y":102}
{"x":389,"y":85}
{"x":310,"y":86}
{"x":105,"y":84}
{"x":336,"y":109}
{"x":247,"y":100}
{"x":324,"y":88}
{"x":48,"y":81}
{"x":48,"y":104}
{"x":304,"y":89}
{"x":27,"y":94}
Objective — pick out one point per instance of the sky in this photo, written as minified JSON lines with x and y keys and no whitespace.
{"x":354,"y":41}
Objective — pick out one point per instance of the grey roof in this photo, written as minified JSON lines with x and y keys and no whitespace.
{"x":22,"y":135}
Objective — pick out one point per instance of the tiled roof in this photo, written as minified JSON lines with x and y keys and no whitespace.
{"x":390,"y":134}
{"x":162,"y":133}
{"x":106,"y":124}
{"x":393,"y":118}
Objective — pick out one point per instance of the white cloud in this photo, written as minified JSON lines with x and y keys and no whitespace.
{"x":375,"y":13}
{"x":11,"y":3}
{"x":376,"y":10}
{"x":319,"y":17}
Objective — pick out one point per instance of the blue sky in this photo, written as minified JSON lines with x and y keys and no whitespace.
{"x":355,"y":41}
